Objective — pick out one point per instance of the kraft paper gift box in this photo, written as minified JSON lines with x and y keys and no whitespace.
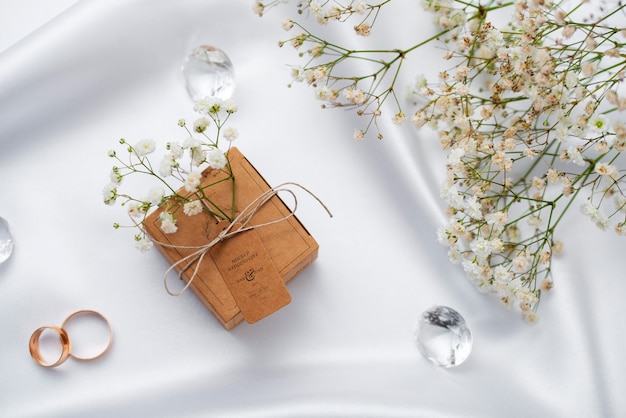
{"x":288,"y":244}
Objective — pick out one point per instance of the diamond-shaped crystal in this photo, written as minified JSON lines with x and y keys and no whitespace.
{"x":208,"y":72}
{"x":6,"y":241}
{"x":443,"y":336}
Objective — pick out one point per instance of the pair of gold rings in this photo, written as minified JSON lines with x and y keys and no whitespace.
{"x":64,"y":339}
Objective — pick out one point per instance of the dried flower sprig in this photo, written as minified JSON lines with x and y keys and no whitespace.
{"x":327,"y":11}
{"x":523,"y":117}
{"x":180,"y":169}
{"x":327,"y":68}
{"x":528,"y":114}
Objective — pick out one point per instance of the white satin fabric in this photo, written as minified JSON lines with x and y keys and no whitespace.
{"x":102,"y":70}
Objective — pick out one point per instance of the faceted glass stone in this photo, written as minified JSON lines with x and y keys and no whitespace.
{"x":6,"y":241}
{"x":443,"y":336}
{"x":209,"y":72}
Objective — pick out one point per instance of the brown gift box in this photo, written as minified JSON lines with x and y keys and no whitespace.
{"x":288,"y":243}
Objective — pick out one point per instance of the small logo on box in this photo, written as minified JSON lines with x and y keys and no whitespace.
{"x":249,"y":275}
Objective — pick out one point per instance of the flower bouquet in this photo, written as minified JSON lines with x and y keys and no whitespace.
{"x":528,"y":108}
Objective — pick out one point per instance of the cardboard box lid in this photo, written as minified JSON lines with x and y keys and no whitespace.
{"x":288,"y":243}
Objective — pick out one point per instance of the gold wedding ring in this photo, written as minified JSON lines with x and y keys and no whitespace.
{"x":106,"y":321}
{"x":64,"y":339}
{"x":34,"y":346}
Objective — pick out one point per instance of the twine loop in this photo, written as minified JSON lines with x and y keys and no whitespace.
{"x":240,"y":223}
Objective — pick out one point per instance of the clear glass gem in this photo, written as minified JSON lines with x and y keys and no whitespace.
{"x":6,"y":241}
{"x":209,"y":72}
{"x":443,"y":336}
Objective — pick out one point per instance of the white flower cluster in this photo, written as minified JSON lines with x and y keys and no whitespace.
{"x":448,"y":13}
{"x":326,"y":11}
{"x":529,"y":113}
{"x":179,"y":168}
{"x":521,"y":120}
{"x":326,"y":59}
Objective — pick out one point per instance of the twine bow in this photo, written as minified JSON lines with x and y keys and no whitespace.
{"x":240,"y":223}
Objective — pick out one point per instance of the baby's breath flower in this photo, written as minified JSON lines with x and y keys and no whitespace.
{"x":502,"y":161}
{"x":398,"y":118}
{"x":176,"y":150}
{"x":553,"y":176}
{"x":191,"y":142}
{"x":575,"y":156}
{"x":230,"y":106}
{"x":538,"y":183}
{"x":194,"y":178}
{"x":168,"y":222}
{"x":530,"y":316}
{"x":520,"y":262}
{"x":115,"y":176}
{"x":287,"y":24}
{"x":144,"y":147}
{"x":419,"y":119}
{"x":192,"y":208}
{"x":208,"y":105}
{"x":605,"y":169}
{"x":298,"y":40}
{"x":143,"y":244}
{"x":354,"y":96}
{"x":589,"y":210}
{"x":109,"y":193}
{"x":258,"y":8}
{"x":473,"y":207}
{"x":363,"y":29}
{"x":200,"y":124}
{"x":483,"y":248}
{"x":167,"y":166}
{"x":568,"y":31}
{"x":156,"y":195}
{"x":231,"y":133}
{"x":198,"y":155}
{"x":589,"y":68}
{"x":599,"y":123}
{"x":359,"y":7}
{"x":497,"y":218}
{"x":323,"y":93}
{"x":602,"y":147}
{"x":217,"y":159}
{"x":602,"y":221}
{"x":135,"y":210}
{"x":297,"y":73}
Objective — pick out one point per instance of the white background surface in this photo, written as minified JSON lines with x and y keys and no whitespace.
{"x":101,"y":70}
{"x":21,"y":18}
